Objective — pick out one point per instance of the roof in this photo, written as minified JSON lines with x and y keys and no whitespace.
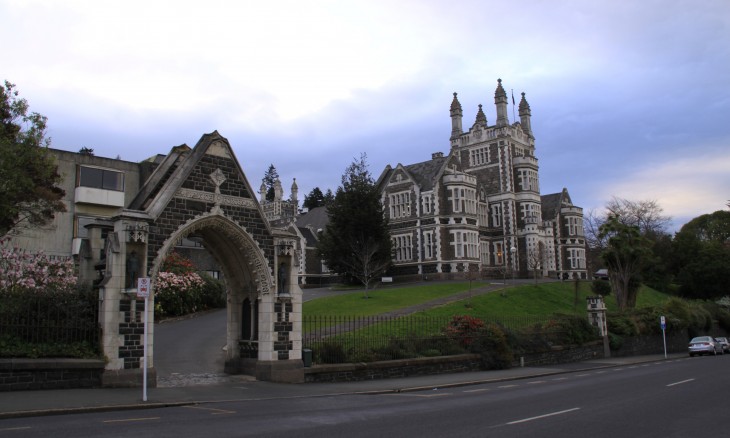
{"x":426,"y":172}
{"x":317,"y":218}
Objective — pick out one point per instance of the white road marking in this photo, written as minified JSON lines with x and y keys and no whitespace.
{"x":524,"y":420}
{"x":477,"y":390}
{"x":506,"y":386}
{"x":15,"y":428}
{"x":679,"y":383}
{"x":535,"y":382}
{"x":129,"y":420}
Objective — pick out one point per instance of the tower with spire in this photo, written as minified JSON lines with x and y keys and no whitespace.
{"x":480,"y":209}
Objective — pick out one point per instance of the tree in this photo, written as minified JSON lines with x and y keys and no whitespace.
{"x":314,"y":199}
{"x":29,"y":195}
{"x":625,"y":255}
{"x":701,"y":256}
{"x":356,"y":242}
{"x":270,"y":178}
{"x":535,"y":257}
{"x":647,"y":215}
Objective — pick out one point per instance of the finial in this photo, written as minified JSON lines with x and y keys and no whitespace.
{"x":499,"y":81}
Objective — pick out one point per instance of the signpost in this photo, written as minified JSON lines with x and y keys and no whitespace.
{"x":663,"y":323}
{"x":143,"y":291}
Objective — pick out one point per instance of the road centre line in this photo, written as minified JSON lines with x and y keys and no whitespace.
{"x":681,"y":382}
{"x":15,"y":428}
{"x":506,"y":386}
{"x":524,"y":420}
{"x":535,"y":382}
{"x":129,"y":420}
{"x":477,"y":390}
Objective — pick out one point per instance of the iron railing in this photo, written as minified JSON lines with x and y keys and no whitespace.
{"x":339,"y":339}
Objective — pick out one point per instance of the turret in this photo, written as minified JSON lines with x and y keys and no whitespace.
{"x":278,"y":190}
{"x":481,"y":118}
{"x":500,"y":101}
{"x":262,"y":192}
{"x":456,"y":115}
{"x":525,"y":116}
{"x":294,"y":192}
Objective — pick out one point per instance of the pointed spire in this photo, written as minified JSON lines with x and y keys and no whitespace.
{"x":294,"y":192}
{"x":500,"y":101}
{"x":525,"y":115}
{"x":262,"y":191}
{"x":278,"y":190}
{"x":481,"y":118}
{"x":456,"y":115}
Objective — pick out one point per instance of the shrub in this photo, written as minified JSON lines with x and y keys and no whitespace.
{"x":573,"y":329}
{"x":463,"y":329}
{"x":622,"y":324}
{"x":493,"y":346}
{"x":601,"y":287}
{"x":329,"y":352}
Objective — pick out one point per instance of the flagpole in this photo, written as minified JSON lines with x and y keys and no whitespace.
{"x":514,"y":119}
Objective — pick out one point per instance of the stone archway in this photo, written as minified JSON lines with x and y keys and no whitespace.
{"x":204,"y":191}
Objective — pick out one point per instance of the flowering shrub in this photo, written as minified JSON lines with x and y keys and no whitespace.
{"x":464,"y":329}
{"x":22,"y":271}
{"x":179,"y":290}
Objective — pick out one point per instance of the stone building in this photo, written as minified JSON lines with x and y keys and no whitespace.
{"x":478,"y":210}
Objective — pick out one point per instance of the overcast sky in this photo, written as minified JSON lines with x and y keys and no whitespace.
{"x":629,"y":98}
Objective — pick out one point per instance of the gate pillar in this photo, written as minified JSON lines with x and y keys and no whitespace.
{"x":121,"y":314}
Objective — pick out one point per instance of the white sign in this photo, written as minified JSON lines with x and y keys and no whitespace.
{"x":143,"y":287}
{"x":663,"y":322}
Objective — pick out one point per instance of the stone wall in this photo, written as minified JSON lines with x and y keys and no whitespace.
{"x":676,"y":343}
{"x":30,"y":374}
{"x":393,"y":368}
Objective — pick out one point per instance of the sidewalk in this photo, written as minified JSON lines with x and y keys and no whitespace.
{"x":241,"y":388}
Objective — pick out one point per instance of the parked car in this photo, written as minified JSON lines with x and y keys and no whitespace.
{"x":704,"y":345}
{"x":725,"y":344}
{"x":601,"y":274}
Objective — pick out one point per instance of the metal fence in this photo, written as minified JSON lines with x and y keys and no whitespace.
{"x":371,"y":338}
{"x":59,"y":319}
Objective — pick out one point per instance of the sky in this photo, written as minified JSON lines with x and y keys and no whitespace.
{"x":629,"y":99}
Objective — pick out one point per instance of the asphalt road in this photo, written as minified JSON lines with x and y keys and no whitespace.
{"x":686,"y":397}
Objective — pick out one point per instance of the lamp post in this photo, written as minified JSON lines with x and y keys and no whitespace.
{"x":513,"y":250}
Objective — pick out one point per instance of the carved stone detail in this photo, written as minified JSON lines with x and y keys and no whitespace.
{"x":217,"y":221}
{"x":231,"y":201}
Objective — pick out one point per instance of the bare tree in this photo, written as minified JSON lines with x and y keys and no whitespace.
{"x":647,"y":215}
{"x":536,"y":259}
{"x":366,"y":262}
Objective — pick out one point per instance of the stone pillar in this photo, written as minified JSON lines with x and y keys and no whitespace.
{"x":122,"y":313}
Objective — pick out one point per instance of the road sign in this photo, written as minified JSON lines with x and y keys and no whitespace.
{"x":143,"y":287}
{"x":663,"y":322}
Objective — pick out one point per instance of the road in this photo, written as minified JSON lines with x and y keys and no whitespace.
{"x":676,"y":398}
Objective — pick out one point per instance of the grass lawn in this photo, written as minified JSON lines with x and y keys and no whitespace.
{"x":524,"y":300}
{"x":384,"y":300}
{"x":537,"y":300}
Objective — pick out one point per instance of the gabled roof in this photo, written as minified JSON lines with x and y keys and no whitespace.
{"x":315,"y":219}
{"x":553,"y":202}
{"x":426,"y":172}
{"x":176,"y":168}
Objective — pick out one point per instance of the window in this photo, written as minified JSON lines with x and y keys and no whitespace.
{"x":479,"y":156}
{"x":464,"y":200}
{"x":498,"y":254}
{"x":483,"y":215}
{"x":465,"y":244}
{"x":428,"y":244}
{"x":497,"y":215}
{"x":426,"y":203}
{"x":400,"y":205}
{"x":403,"y":247}
{"x":484,"y":253}
{"x":101,"y":178}
{"x":577,"y":258}
{"x":528,"y":180}
{"x":530,"y":210}
{"x":575,"y":226}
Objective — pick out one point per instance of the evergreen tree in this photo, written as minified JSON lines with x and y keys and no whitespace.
{"x":314,"y":199}
{"x":29,"y":195}
{"x":356,"y":242}
{"x":270,"y":178}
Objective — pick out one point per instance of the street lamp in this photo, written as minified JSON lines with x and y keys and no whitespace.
{"x":513,"y":250}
